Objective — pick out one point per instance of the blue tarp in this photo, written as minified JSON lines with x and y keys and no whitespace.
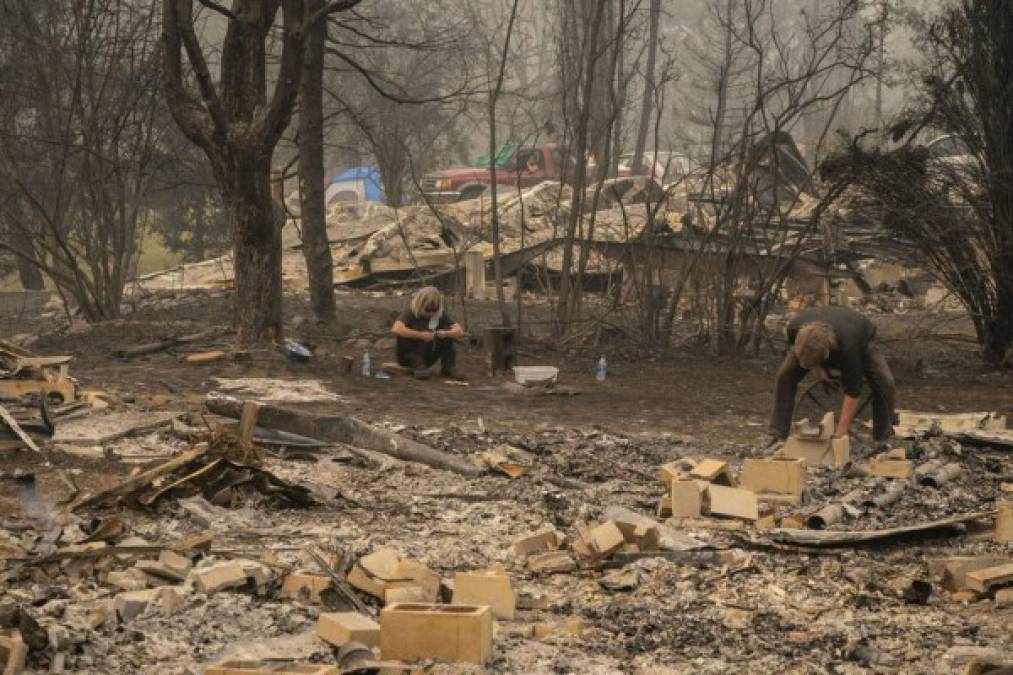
{"x":363,"y":180}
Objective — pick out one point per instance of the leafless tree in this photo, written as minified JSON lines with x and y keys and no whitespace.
{"x":312,"y":202}
{"x":237,"y":125}
{"x":957,"y":210}
{"x":81,"y":139}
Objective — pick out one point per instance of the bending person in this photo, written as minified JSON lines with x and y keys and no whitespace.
{"x":841,"y":339}
{"x":425,"y":335}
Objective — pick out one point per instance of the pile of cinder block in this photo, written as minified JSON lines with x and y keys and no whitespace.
{"x":816,"y":444}
{"x":413,"y":623}
{"x":705,"y":488}
{"x":695,"y":489}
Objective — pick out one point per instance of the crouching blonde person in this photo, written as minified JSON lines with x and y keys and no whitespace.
{"x":425,"y":334}
{"x":836,"y":338}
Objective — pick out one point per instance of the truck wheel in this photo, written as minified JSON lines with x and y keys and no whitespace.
{"x":472,"y":192}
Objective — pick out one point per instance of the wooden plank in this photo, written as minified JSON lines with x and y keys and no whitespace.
{"x":16,"y":428}
{"x":12,"y":389}
{"x":247,"y":423}
{"x":42,"y":361}
{"x":142,"y":479}
{"x":345,"y":430}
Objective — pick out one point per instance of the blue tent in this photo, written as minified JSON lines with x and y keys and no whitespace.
{"x":360,"y":183}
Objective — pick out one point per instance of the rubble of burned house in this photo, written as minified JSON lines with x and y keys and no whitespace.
{"x":270,"y":539}
{"x":623,"y":221}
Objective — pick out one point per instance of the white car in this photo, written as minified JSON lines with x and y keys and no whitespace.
{"x":667,"y":166}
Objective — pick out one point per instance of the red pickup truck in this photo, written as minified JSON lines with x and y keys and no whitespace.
{"x":525,"y":165}
{"x":529,"y":165}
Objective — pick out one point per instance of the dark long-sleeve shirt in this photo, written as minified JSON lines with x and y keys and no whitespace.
{"x":408,"y":318}
{"x":854,"y":332}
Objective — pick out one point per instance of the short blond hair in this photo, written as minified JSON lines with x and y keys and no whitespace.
{"x":427,"y":297}
{"x":813,"y":344}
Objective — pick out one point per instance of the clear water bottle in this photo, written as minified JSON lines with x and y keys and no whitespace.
{"x":367,"y":367}
{"x":601,"y":369}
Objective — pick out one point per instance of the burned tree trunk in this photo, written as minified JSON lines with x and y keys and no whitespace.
{"x":238,"y":126}
{"x":28,"y":265}
{"x":313,"y":207}
{"x":256,"y":249}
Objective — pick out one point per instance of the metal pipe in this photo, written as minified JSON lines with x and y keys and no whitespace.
{"x":943,"y":475}
{"x":832,"y":513}
{"x":893,"y":493}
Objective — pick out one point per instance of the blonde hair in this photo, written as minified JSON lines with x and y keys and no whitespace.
{"x":426,"y":297}
{"x":813,"y":343}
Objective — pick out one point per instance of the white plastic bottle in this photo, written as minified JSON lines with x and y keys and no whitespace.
{"x":601,"y":369}
{"x":367,"y":368}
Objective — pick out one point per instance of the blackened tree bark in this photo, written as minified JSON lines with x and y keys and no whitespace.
{"x":29,"y":271}
{"x":313,"y":207}
{"x":238,"y":127}
{"x":649,"y":86}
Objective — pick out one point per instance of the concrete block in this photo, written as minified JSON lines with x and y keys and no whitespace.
{"x":795,"y":521}
{"x":677,"y":470}
{"x":406,"y":593}
{"x":769,"y":498}
{"x":375,"y":572}
{"x":550,"y":629}
{"x":1004,"y":598}
{"x":733,"y":502}
{"x":664,"y":508}
{"x":890,"y":468}
{"x":305,"y":586}
{"x":13,"y":651}
{"x":834,"y":452}
{"x":686,"y":499}
{"x":984,"y":579}
{"x":640,"y":532}
{"x":552,"y":561}
{"x":840,"y":449}
{"x":154,"y":568}
{"x":218,"y":577}
{"x":823,"y":431}
{"x":952,"y":572}
{"x":340,"y":628}
{"x":179,"y":565}
{"x":455,"y":633}
{"x":780,"y":475}
{"x":581,"y":542}
{"x":241,"y":667}
{"x":131,"y":604}
{"x":127,"y":580}
{"x":606,"y":539}
{"x":421,"y":576}
{"x":537,"y":542}
{"x":1004,"y":521}
{"x":713,"y":471}
{"x":490,"y":587}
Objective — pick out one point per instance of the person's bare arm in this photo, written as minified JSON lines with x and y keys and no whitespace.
{"x":401,"y":330}
{"x":848,"y":410}
{"x":455,"y":331}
